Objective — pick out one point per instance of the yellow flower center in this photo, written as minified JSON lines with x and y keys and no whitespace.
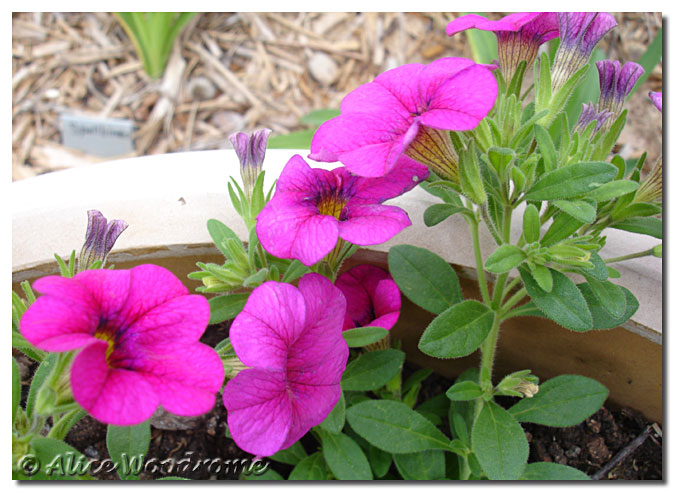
{"x":331,"y":205}
{"x":107,"y":337}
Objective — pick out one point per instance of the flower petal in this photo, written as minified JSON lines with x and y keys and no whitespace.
{"x":298,"y":176}
{"x":271,"y":321}
{"x":115,"y":396}
{"x":258,"y":410}
{"x":373,"y":224}
{"x":404,"y":176}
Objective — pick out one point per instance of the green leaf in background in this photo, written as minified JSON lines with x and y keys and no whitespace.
{"x":16,"y":388}
{"x":39,"y":377}
{"x":499,"y":443}
{"x":650,"y":226}
{"x":599,"y":270}
{"x":601,"y":317}
{"x":565,"y":400}
{"x":438,"y":213}
{"x":578,"y":209}
{"x":483,"y":43}
{"x":562,"y":227}
{"x":565,"y":304}
{"x":227,"y":306}
{"x":335,"y":421}
{"x":649,"y":60}
{"x":312,"y":468}
{"x":291,"y":455}
{"x":458,"y":331}
{"x":612,"y":190}
{"x":344,"y":457}
{"x":294,"y":271}
{"x":379,"y":460}
{"x":544,"y":278}
{"x":317,"y":117}
{"x":424,"y":277}
{"x":571,"y":180}
{"x":505,"y":258}
{"x":362,"y":336}
{"x":428,"y":465}
{"x":372,"y":370}
{"x":610,"y":296}
{"x":220,"y":232}
{"x":551,"y":471}
{"x":59,"y":460}
{"x":531,"y":224}
{"x":460,"y":413}
{"x":546,"y":147}
{"x":302,"y":139}
{"x":395,"y":428}
{"x":133,"y":441}
{"x":467,"y":390}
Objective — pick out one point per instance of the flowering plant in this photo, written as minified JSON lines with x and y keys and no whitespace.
{"x":309,"y":352}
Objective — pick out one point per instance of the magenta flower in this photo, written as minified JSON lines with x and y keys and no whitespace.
{"x":373,"y":298}
{"x":291,"y":338}
{"x":656,"y":99}
{"x":139,"y":331}
{"x":579,"y":33}
{"x":312,"y":208}
{"x":380,"y":120}
{"x":519,"y":35}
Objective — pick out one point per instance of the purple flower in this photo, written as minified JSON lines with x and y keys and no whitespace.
{"x":291,"y":340}
{"x":380,"y":120}
{"x":519,"y":35}
{"x":312,"y":207}
{"x":139,"y":331}
{"x":616,"y":83}
{"x":579,"y":33}
{"x":251,"y":153}
{"x":590,"y":113}
{"x":656,"y":99}
{"x":373,"y":298}
{"x":99,"y":240}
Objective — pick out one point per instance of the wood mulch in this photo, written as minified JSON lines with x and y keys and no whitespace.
{"x":237,"y":71}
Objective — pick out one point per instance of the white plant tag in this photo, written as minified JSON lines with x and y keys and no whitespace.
{"x":104,"y":137}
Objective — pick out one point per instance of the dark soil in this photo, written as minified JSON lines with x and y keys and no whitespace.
{"x":588,"y":446}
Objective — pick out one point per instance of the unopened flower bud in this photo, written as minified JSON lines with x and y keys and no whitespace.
{"x":251,"y":153}
{"x":527,"y":388}
{"x":99,"y":240}
{"x":591,"y":113}
{"x":656,"y":98}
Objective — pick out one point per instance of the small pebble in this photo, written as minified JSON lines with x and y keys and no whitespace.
{"x":91,"y":452}
{"x":323,"y":68}
{"x":228,"y":122}
{"x":201,"y":89}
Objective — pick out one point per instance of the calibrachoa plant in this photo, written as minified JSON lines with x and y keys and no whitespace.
{"x":309,"y":352}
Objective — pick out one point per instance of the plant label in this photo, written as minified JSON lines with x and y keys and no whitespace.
{"x":104,"y":137}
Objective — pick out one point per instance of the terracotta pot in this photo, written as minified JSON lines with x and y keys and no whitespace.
{"x":167,"y":200}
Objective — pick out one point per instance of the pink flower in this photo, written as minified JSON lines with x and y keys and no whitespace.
{"x":616,"y":83}
{"x":139,"y":331}
{"x":519,"y":35}
{"x":312,"y":208}
{"x":373,"y":298}
{"x":656,"y":98}
{"x":291,"y":338}
{"x":380,"y":120}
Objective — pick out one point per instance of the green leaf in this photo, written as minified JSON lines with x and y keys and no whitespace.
{"x":612,"y":190}
{"x":437,"y":213}
{"x":227,"y":307}
{"x":578,"y":209}
{"x":562,"y":227}
{"x":483,"y":44}
{"x":565,"y":400}
{"x":544,"y":278}
{"x":565,"y":304}
{"x":467,"y":390}
{"x":372,"y":370}
{"x":641,"y":209}
{"x":416,"y":378}
{"x":599,"y":270}
{"x":458,"y":331}
{"x":427,"y":465}
{"x":505,"y":258}
{"x":588,"y":90}
{"x":344,"y":457}
{"x":294,"y":271}
{"x":531,"y":224}
{"x":395,"y":428}
{"x":651,"y":226}
{"x":362,"y":336}
{"x":571,"y":181}
{"x":610,"y":296}
{"x":292,"y":455}
{"x":39,"y":377}
{"x":424,"y":277}
{"x":499,"y":443}
{"x":16,"y":388}
{"x":312,"y":468}
{"x":601,"y":317}
{"x":500,"y":158}
{"x":219,"y":232}
{"x":461,"y":413}
{"x":59,"y":460}
{"x":317,"y":117}
{"x":470,"y":180}
{"x":546,"y":147}
{"x":302,"y":139}
{"x":551,"y":471}
{"x":133,"y":441}
{"x":335,"y":421}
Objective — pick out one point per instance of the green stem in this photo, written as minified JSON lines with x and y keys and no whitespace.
{"x":644,"y":253}
{"x":519,"y":295}
{"x":482,"y":283}
{"x":511,"y":285}
{"x":487,"y":358}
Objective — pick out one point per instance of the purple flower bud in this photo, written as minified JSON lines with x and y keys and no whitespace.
{"x":590,"y":113}
{"x":616,"y":83}
{"x":656,"y":99}
{"x":579,"y":33}
{"x":99,"y":240}
{"x":251,"y":153}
